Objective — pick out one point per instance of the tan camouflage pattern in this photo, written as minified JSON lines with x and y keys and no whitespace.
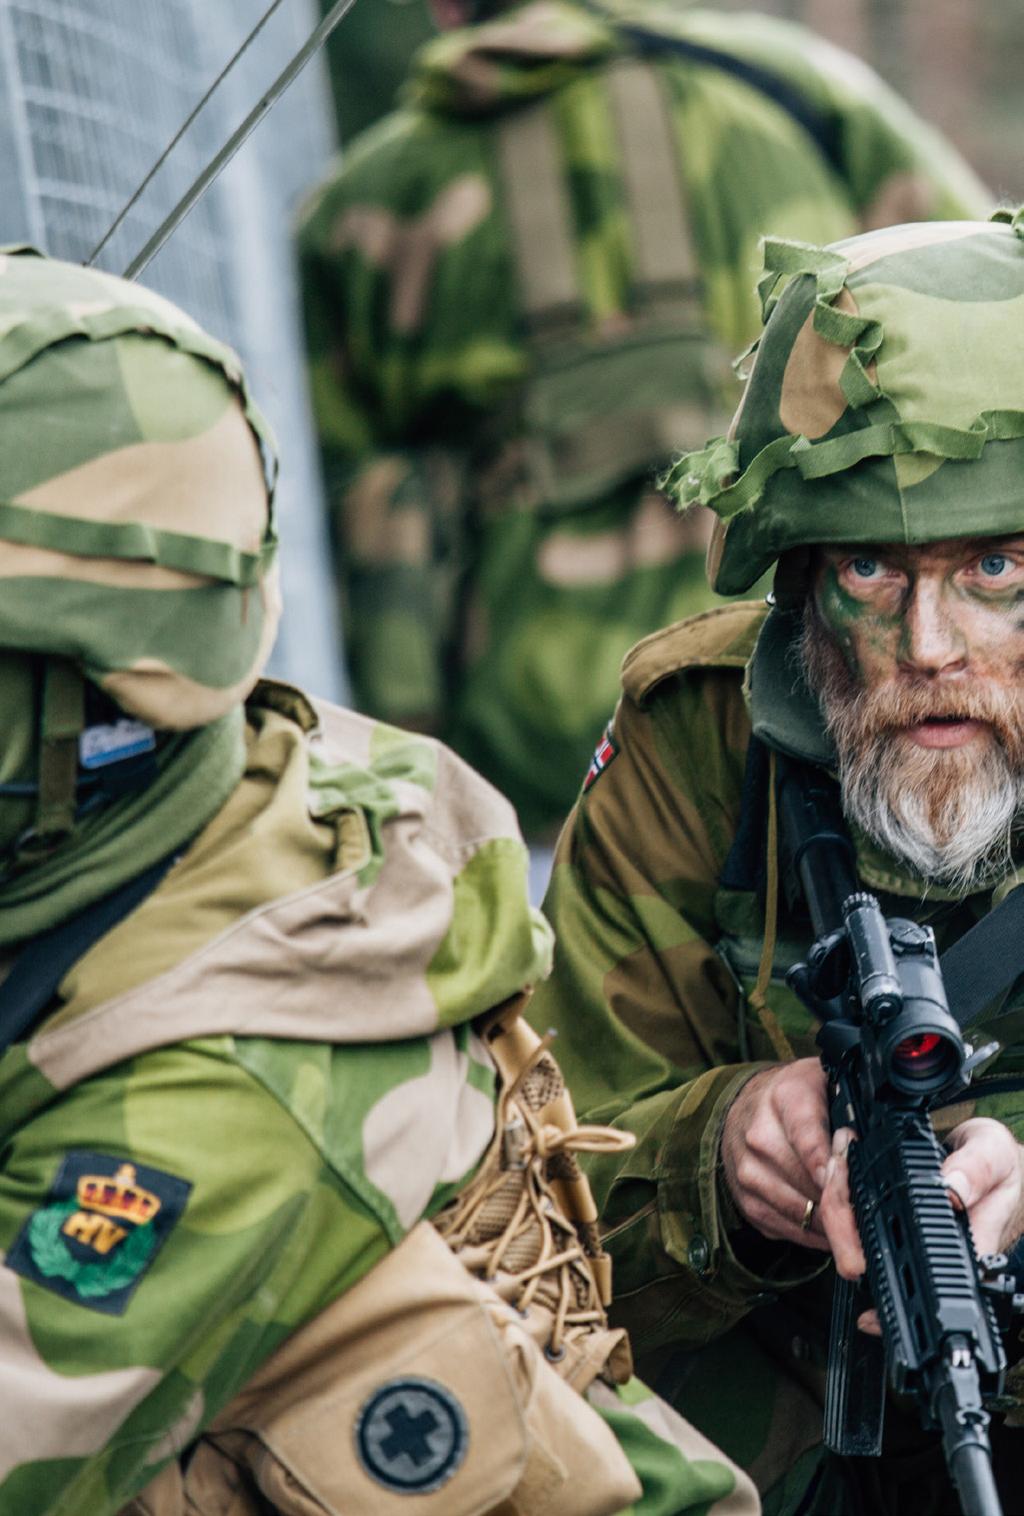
{"x":293,"y":1117}
{"x":136,"y":480}
{"x":315,"y":1132}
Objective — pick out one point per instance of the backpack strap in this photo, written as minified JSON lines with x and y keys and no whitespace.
{"x":822,"y":126}
{"x":666,"y":272}
{"x":536,"y":197}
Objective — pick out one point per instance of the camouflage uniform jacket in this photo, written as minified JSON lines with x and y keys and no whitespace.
{"x":209,"y":1137}
{"x":521,"y":294}
{"x":219,"y":1143}
{"x":655,"y":959}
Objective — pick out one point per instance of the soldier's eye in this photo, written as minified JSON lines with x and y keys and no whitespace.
{"x":866,"y":568}
{"x":994,"y":564}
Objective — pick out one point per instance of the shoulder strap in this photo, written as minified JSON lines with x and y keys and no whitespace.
{"x":536,"y":198}
{"x":823,"y":127}
{"x":986,"y":960}
{"x":666,"y":272}
{"x":534,"y":176}
{"x":40,"y":967}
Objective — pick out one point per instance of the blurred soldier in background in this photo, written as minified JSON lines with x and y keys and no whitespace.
{"x":521,"y":294}
{"x":245,"y":947}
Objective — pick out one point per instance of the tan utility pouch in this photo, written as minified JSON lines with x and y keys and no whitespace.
{"x":418,"y":1391}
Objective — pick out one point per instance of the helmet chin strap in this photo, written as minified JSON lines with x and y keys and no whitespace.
{"x":64,"y":791}
{"x":61,"y":726}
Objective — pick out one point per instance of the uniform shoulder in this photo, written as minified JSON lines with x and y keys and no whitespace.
{"x":376,"y":164}
{"x":720,"y":638}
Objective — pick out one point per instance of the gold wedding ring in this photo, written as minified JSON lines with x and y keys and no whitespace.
{"x":806,"y":1218}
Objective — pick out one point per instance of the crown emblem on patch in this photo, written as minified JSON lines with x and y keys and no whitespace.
{"x":119,"y":1196}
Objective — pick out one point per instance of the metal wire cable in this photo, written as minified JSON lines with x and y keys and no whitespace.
{"x":201,"y":184}
{"x":179,"y":134}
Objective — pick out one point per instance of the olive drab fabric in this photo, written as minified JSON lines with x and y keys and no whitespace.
{"x":890,"y":360}
{"x":522,"y":293}
{"x":663,"y":880}
{"x":655,"y":960}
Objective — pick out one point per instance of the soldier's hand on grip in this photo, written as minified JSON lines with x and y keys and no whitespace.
{"x":775,"y":1148}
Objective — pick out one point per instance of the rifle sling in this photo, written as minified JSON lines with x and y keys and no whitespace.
{"x":979,"y":967}
{"x":985,"y":961}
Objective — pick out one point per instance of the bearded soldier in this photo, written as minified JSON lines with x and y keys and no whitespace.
{"x":251,"y":944}
{"x":522,"y":292}
{"x":876,"y":459}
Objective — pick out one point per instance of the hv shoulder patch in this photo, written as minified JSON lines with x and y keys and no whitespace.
{"x":102,"y":1225}
{"x":720,"y":638}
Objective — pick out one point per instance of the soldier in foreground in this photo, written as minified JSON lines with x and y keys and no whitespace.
{"x":249,"y":953}
{"x":522,"y":293}
{"x":877,"y":460}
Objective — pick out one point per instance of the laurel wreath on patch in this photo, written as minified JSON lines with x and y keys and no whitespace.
{"x":52,"y":1256}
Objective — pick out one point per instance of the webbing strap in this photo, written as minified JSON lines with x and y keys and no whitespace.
{"x":986,"y":960}
{"x":63,"y":718}
{"x":663,"y":246}
{"x":824,"y":127}
{"x":536,"y":197}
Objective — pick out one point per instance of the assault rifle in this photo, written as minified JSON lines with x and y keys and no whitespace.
{"x":891,"y":1050}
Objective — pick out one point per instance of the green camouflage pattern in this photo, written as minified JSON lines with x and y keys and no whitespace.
{"x":654,"y":962}
{"x":368,"y":56}
{"x":496,"y":392}
{"x":295,"y":1136}
{"x":884,"y":373}
{"x":136,"y":479}
{"x":264,"y":1033}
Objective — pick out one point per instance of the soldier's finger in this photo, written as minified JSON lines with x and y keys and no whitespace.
{"x":868,"y":1322}
{"x":778,"y":1210}
{"x":805,"y":1122}
{"x":837,"y":1213}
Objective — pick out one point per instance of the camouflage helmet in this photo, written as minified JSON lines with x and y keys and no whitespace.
{"x":885,"y":402}
{"x":136,"y":481}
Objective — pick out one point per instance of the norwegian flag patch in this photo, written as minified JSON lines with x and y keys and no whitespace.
{"x":605,"y":751}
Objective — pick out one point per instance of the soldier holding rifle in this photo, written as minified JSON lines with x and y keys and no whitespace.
{"x":876,"y":459}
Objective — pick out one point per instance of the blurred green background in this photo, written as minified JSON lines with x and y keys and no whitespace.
{"x":958,"y":62}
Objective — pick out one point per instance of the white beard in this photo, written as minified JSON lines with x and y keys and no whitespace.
{"x":967,"y":848}
{"x":949,"y":814}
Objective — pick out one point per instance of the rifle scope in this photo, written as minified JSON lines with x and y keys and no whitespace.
{"x":917,"y":1046}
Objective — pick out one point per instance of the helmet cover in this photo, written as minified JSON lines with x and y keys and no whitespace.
{"x":136,"y":481}
{"x":885,"y":402}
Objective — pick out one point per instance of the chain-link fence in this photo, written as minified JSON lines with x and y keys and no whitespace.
{"x":92,"y":91}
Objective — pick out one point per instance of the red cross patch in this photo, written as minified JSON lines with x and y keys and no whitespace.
{"x":605,"y":751}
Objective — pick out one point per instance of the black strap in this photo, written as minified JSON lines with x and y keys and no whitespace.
{"x":976,"y":969}
{"x":822,"y":126}
{"x":40,"y":967}
{"x":986,"y":960}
